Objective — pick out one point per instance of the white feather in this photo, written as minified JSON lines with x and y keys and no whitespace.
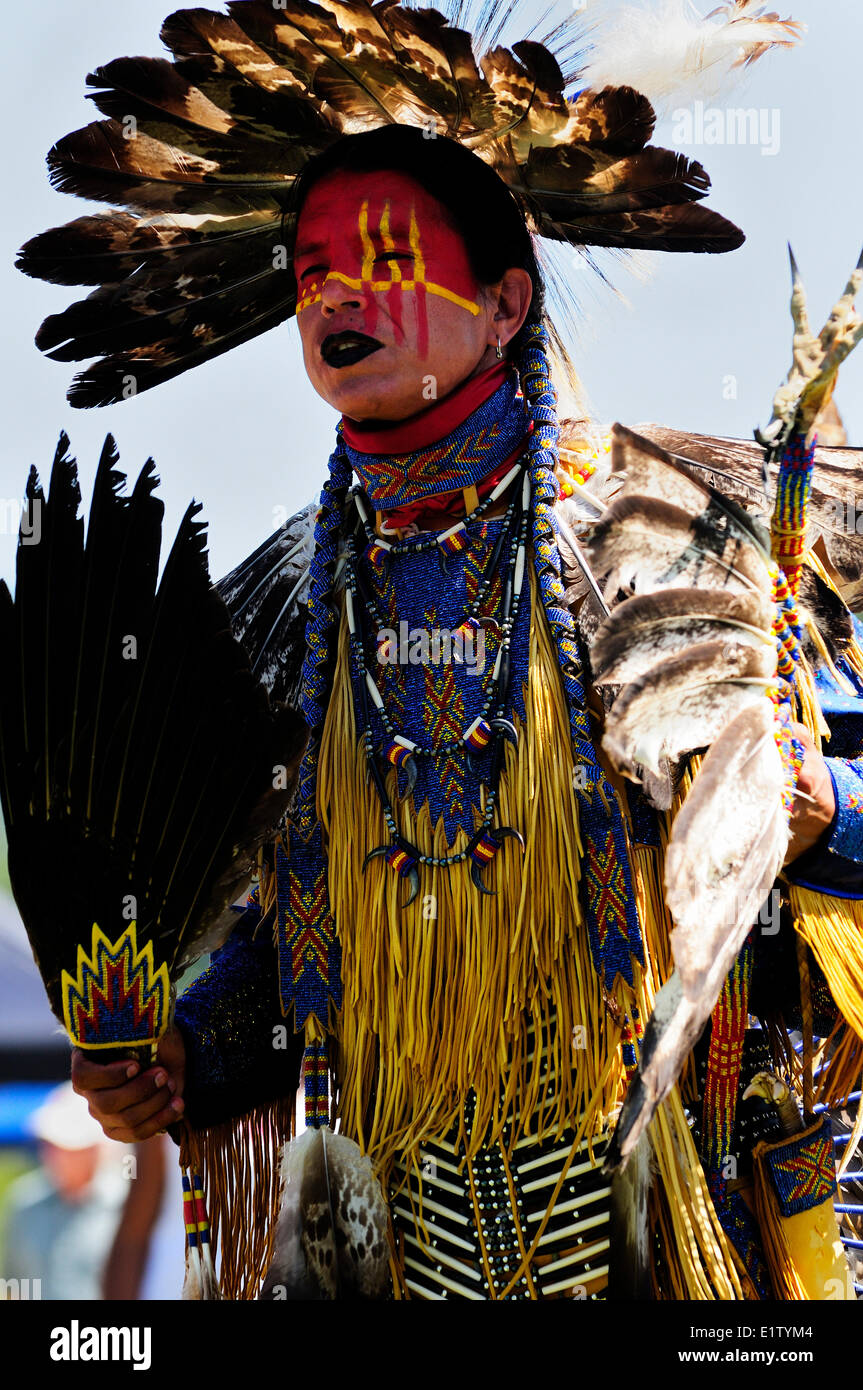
{"x":727,"y":846}
{"x":671,"y":50}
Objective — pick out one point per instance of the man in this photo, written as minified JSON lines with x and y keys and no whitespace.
{"x":465,"y":934}
{"x":62,"y":1218}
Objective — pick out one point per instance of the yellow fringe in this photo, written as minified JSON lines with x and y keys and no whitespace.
{"x":853,"y":652}
{"x":699,"y":1260}
{"x":833,"y":928}
{"x":808,"y":706}
{"x":238,"y":1163}
{"x":784,"y":1274}
{"x":437,"y":996}
{"x":840,"y":1058}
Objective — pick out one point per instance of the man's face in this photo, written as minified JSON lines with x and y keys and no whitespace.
{"x":390,"y":313}
{"x":71,"y":1170}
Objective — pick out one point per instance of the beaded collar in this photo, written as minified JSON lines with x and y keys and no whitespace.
{"x":443,"y":449}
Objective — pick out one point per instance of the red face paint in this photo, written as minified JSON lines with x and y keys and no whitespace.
{"x":384,"y":237}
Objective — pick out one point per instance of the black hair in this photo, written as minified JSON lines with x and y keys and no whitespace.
{"x":489,"y":218}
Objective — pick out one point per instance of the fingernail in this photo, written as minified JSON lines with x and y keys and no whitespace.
{"x":177,"y":1104}
{"x":160,"y":1078}
{"x":171,"y":1084}
{"x":132,"y":1070}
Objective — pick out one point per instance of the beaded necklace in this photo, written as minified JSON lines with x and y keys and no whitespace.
{"x":490,"y":727}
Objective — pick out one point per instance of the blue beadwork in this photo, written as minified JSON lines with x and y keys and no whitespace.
{"x":429,"y":697}
{"x":846,"y":837}
{"x":470,"y":453}
{"x":612,"y":920}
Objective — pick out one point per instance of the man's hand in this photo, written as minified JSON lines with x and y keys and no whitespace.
{"x":815,"y":805}
{"x":129,"y":1104}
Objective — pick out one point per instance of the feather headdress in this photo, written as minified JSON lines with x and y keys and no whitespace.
{"x":198,"y":155}
{"x":671,"y":51}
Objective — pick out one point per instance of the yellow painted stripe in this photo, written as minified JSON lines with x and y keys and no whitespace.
{"x":389,"y":244}
{"x":378,"y":286}
{"x":368,"y":248}
{"x":419,"y":259}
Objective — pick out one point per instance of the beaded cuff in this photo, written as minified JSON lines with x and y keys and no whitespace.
{"x":835,"y":864}
{"x":846,"y":837}
{"x":240,"y":1053}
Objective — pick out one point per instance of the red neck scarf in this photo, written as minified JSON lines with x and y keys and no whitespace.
{"x":426,"y":428}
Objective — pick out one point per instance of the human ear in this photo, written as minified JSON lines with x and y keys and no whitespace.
{"x":512,"y":299}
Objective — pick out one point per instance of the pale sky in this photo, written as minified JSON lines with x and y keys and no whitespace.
{"x":702,"y":345}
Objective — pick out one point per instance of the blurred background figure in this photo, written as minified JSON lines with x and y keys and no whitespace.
{"x":146,"y":1259}
{"x":61,"y":1218}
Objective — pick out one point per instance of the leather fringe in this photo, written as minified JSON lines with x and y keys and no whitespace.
{"x":436,"y":994}
{"x":833,"y":928}
{"x":239,"y":1164}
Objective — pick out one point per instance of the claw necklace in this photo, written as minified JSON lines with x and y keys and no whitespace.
{"x":487,"y":730}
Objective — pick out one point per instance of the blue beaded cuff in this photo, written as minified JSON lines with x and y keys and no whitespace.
{"x":835,"y":864}
{"x":846,"y":837}
{"x":240,"y":1051}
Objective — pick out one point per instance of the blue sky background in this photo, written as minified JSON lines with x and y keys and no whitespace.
{"x":247,"y":435}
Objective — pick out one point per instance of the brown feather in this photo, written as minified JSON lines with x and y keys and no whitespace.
{"x":684,"y":703}
{"x":650,"y":627}
{"x":644,"y":544}
{"x":331,"y":1238}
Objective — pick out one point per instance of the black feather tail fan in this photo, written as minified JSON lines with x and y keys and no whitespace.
{"x":142,"y":764}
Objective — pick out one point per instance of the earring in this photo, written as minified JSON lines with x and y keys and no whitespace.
{"x":499,"y":350}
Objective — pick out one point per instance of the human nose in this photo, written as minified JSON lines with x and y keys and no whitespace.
{"x":340,"y":292}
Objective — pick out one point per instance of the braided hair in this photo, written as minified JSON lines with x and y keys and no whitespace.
{"x":321,"y":625}
{"x":541,"y":398}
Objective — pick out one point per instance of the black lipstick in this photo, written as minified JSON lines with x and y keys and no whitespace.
{"x":344,"y":349}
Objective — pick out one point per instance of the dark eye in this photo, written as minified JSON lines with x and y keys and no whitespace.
{"x":395,"y":256}
{"x":311,"y":270}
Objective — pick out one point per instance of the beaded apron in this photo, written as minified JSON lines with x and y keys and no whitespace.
{"x":470,"y":1193}
{"x":464,"y":1228}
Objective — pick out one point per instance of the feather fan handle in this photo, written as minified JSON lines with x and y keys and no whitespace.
{"x":137,"y":754}
{"x":674,"y":52}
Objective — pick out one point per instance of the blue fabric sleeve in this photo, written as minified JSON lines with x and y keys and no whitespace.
{"x":240,"y":1052}
{"x":835,"y":864}
{"x":846,"y":837}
